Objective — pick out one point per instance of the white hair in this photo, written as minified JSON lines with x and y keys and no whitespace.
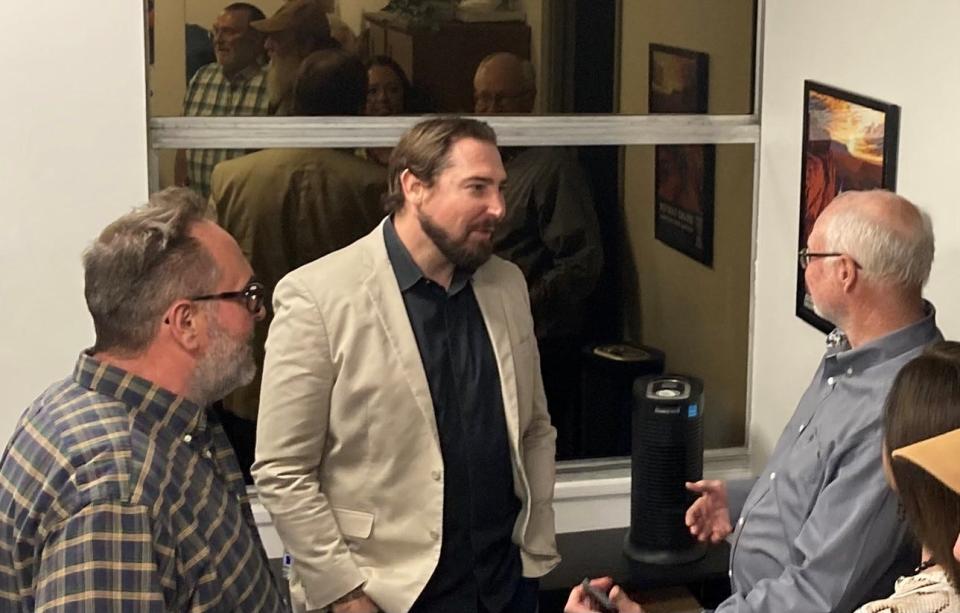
{"x":887,"y":251}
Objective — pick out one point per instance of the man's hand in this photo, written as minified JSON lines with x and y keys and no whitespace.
{"x":359,"y":604}
{"x":580,"y":602}
{"x":709,"y":516}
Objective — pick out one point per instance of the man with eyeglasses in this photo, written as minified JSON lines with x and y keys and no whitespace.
{"x":118,"y":489}
{"x":233,"y":86}
{"x":819,"y":530}
{"x":550,"y":230}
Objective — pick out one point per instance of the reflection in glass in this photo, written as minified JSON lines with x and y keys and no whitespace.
{"x":388,"y":93}
{"x":647,"y":291}
{"x":234,"y":84}
{"x":568,"y":43}
{"x":288,"y":207}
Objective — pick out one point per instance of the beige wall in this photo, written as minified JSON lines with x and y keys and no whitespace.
{"x":699,"y":316}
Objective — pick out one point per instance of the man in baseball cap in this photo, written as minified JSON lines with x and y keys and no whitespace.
{"x":296,"y":30}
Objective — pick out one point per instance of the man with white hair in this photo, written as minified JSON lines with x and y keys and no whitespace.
{"x":819,"y":529}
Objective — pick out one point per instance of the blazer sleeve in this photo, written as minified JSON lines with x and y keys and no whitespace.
{"x":298,"y":376}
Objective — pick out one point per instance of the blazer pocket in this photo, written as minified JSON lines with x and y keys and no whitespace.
{"x":354,"y":524}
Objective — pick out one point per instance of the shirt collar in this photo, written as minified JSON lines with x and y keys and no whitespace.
{"x":407,"y":272}
{"x":840,"y":357}
{"x":177,"y":414}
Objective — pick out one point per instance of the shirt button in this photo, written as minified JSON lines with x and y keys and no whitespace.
{"x":773,"y":476}
{"x":437,"y":475}
{"x":849,"y":372}
{"x":434,"y":535}
{"x":187,"y":438}
{"x":831,"y":381}
{"x":207,"y":454}
{"x":802,"y":426}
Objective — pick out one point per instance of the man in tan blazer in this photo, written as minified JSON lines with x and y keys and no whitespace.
{"x":288,"y":207}
{"x":404,"y":448}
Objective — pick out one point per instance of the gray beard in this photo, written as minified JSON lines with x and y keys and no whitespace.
{"x":281,"y":77}
{"x":227,"y":365}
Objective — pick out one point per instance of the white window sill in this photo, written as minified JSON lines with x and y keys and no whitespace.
{"x":589,"y":494}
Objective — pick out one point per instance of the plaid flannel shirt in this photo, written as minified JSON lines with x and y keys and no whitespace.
{"x":211,"y":94}
{"x":117,"y":495}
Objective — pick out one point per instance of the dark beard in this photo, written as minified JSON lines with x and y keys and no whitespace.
{"x":458,"y":254}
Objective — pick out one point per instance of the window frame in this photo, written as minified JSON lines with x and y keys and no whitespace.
{"x":526,"y":130}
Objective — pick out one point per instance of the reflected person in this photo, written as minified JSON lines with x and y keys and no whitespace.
{"x":551,"y":232}
{"x":388,"y":93}
{"x":233,"y":86}
{"x":297,"y":29}
{"x":288,"y":207}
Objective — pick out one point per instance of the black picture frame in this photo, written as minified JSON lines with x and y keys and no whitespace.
{"x":834,"y":120}
{"x":684,"y":175}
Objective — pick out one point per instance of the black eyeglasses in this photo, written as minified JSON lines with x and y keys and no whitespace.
{"x":253,"y":296}
{"x":804,"y":256}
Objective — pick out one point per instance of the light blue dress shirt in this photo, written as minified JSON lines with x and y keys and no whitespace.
{"x":819,"y":530}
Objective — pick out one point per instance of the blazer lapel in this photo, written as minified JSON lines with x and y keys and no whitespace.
{"x":490,"y":299}
{"x":387,"y":302}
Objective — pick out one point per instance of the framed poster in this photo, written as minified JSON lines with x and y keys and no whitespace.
{"x":684,"y":174}
{"x":849,"y":143}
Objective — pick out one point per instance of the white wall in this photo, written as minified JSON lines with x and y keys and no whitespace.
{"x":887,"y":50}
{"x":73,"y":120}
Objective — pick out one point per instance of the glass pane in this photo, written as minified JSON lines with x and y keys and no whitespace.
{"x":643,"y":246}
{"x":688,"y":276}
{"x":585,"y":56}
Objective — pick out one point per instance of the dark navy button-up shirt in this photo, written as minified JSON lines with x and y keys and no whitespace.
{"x":478,"y":561}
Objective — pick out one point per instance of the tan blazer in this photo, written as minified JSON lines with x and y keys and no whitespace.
{"x":348,"y":456}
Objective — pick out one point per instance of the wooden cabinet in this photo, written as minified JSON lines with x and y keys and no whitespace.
{"x":440,"y":62}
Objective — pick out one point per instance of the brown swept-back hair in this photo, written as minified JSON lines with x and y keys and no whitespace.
{"x":924,"y":402}
{"x":425,"y":151}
